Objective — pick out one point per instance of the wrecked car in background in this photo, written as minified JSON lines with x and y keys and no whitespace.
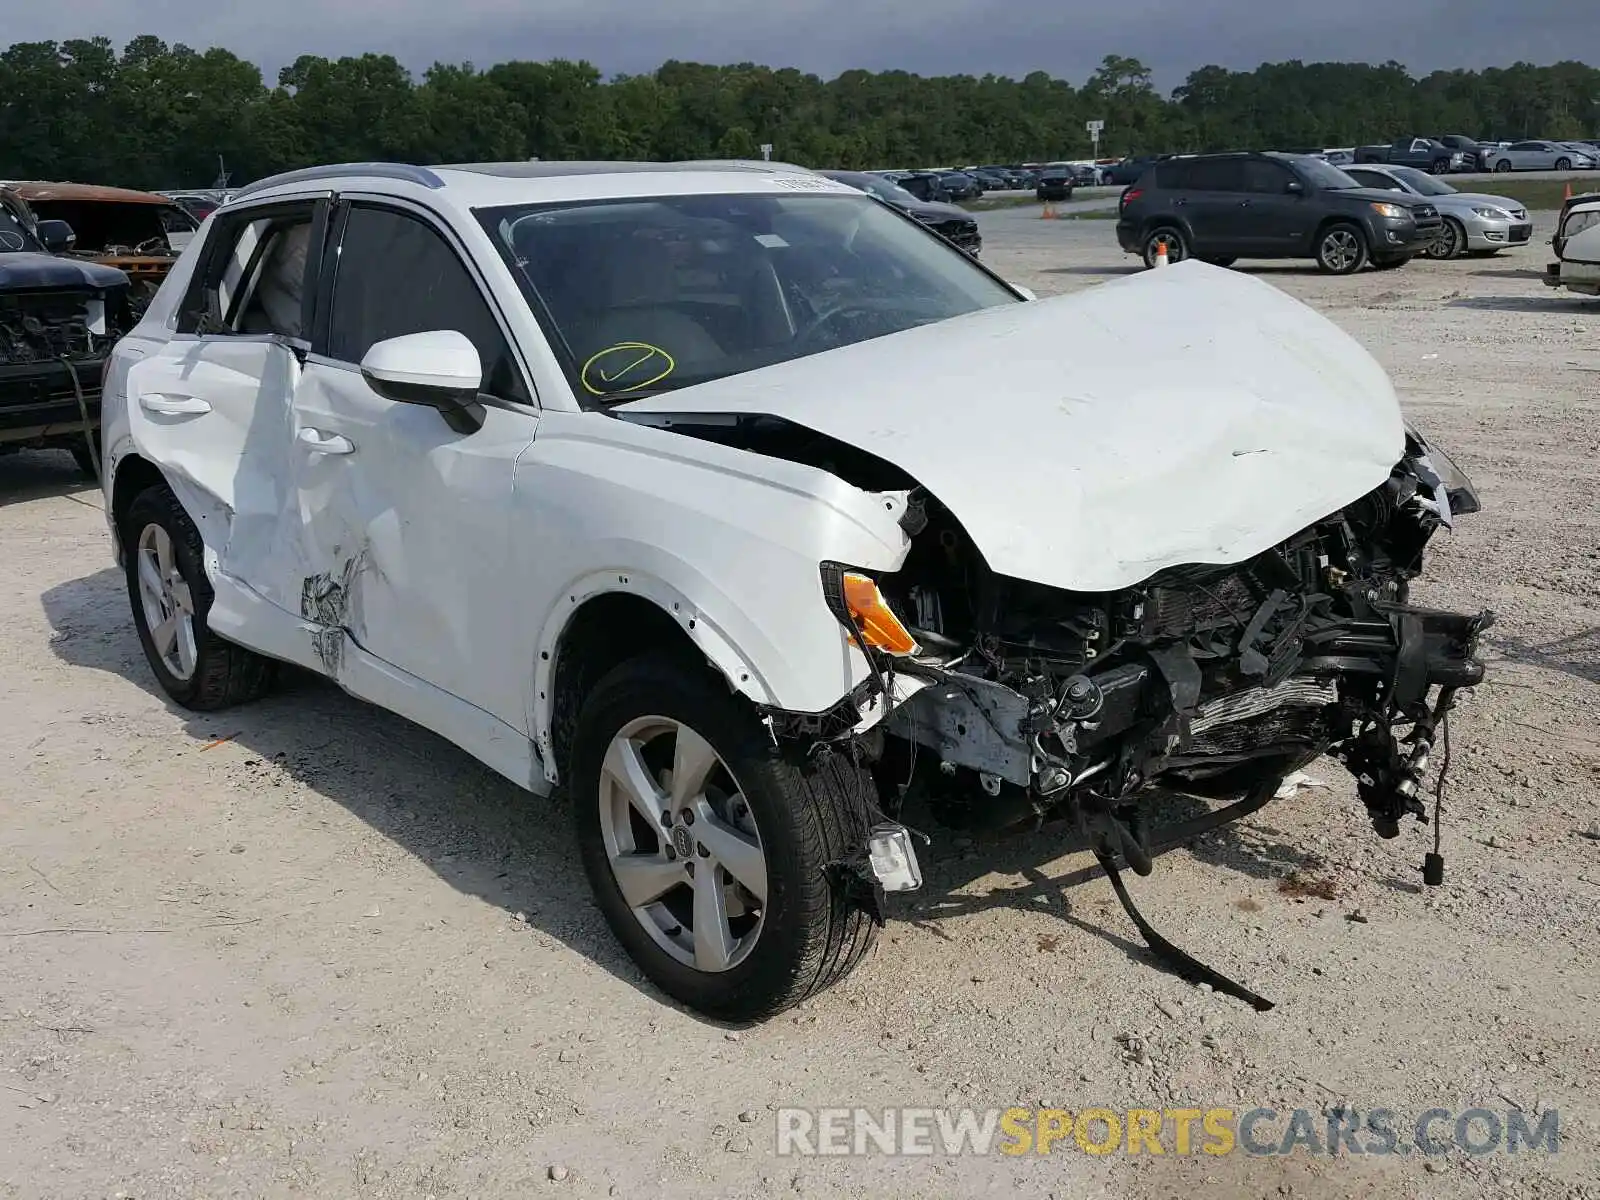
{"x":58,"y":321}
{"x":139,"y":233}
{"x":667,"y":491}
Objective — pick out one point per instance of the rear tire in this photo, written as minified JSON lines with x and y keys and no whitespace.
{"x":1341,"y":249}
{"x":1503,"y":167}
{"x":1177,"y":245}
{"x":1451,"y":242}
{"x":804,"y":819}
{"x":194,"y":666}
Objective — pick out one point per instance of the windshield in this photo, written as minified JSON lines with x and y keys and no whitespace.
{"x":14,"y":235}
{"x":644,"y":296}
{"x":1421,"y":182}
{"x":884,"y":190}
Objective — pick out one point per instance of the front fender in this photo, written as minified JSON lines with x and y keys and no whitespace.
{"x":726,"y":542}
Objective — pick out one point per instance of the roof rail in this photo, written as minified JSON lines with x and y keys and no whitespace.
{"x":373,"y":170}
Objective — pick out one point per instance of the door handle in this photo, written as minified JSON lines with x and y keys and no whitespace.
{"x":318,"y":442}
{"x":173,"y":406}
{"x":1179,"y":202}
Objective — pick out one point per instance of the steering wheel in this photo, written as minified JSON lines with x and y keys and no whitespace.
{"x":831,"y":313}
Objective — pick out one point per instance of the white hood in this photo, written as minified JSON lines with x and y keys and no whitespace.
{"x":1184,"y":415}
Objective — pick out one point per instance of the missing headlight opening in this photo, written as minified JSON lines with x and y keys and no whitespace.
{"x":1211,"y":681}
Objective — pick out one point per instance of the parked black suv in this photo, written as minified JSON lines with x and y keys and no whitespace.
{"x":955,"y":224}
{"x":59,"y":318}
{"x":1224,"y":207}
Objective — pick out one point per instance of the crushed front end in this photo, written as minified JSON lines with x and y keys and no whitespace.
{"x":1214,"y":681}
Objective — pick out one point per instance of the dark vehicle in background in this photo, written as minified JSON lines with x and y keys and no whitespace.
{"x":952,"y":223}
{"x":1224,"y":207}
{"x":991,"y":179}
{"x":924,"y":185}
{"x":960,"y":186}
{"x":59,"y":319}
{"x":1472,"y":150}
{"x":1426,"y":154}
{"x":1055,"y":183}
{"x":139,"y":233}
{"x":1129,"y":170}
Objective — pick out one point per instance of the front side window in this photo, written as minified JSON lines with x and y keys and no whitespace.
{"x":397,"y":275}
{"x":1268,"y":178}
{"x":644,"y":296}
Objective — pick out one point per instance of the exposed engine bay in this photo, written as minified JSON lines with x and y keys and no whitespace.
{"x":1208,"y":680}
{"x":46,"y":326}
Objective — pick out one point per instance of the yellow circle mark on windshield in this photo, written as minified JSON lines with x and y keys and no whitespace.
{"x":625,"y":367}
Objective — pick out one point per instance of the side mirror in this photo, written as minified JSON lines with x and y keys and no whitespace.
{"x":1295,"y":188}
{"x":57,"y":236}
{"x":438,"y":369}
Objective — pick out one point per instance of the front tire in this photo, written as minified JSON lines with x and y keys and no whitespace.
{"x":713,"y":857}
{"x":1226,"y":260}
{"x":1341,"y":249}
{"x":1440,"y":166}
{"x":1563,"y":164}
{"x":171,"y":599}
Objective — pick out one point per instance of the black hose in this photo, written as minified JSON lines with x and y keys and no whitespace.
{"x":88,"y":427}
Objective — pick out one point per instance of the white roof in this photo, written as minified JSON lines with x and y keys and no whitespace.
{"x":486,"y":185}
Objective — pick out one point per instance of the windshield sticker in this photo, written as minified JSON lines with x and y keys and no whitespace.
{"x":771,"y":241}
{"x":625,"y":367}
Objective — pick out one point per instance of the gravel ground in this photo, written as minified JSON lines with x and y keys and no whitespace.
{"x":305,"y":948}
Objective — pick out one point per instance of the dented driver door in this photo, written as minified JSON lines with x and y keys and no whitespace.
{"x":213,"y":404}
{"x":406,"y":522}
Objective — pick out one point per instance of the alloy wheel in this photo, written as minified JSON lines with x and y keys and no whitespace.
{"x":168,"y":602}
{"x":1341,"y":250}
{"x":682,"y":844}
{"x":1448,"y":242}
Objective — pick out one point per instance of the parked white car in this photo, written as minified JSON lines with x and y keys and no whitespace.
{"x":1578,"y":266}
{"x":688,"y":489}
{"x":1539,"y":156}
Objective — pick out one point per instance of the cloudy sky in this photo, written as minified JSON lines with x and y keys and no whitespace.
{"x":1065,"y":37}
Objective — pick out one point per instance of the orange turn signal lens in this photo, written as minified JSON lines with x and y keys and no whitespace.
{"x":879,"y":627}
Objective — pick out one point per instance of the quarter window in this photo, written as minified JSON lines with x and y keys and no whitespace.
{"x":397,"y":275}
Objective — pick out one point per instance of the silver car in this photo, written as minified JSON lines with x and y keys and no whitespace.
{"x":1472,"y":221}
{"x":1540,"y":156}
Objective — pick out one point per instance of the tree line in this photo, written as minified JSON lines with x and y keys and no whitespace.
{"x":159,"y":115}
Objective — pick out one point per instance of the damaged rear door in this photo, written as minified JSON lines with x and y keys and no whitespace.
{"x":213,"y":406}
{"x":405,"y":521}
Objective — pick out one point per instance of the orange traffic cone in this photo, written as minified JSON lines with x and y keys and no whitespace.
{"x":1161,"y":253}
{"x":1568,"y":196}
{"x":1049,"y":213}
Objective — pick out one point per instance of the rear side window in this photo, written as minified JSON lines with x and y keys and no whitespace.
{"x":1374,"y":179}
{"x":397,"y":275}
{"x":1216,"y":175}
{"x":1172,"y":176}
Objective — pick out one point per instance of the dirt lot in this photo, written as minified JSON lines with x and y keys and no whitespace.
{"x":308,"y":949}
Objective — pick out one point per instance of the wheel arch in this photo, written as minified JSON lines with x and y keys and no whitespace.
{"x":610,"y":616}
